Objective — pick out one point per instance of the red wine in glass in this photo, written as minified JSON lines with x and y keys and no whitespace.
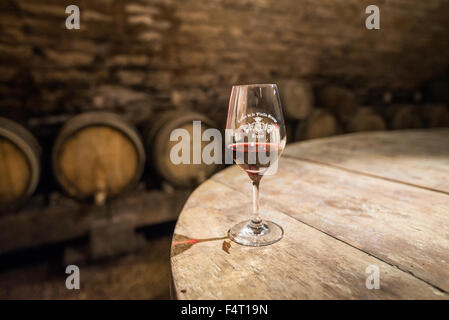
{"x":256,"y":136}
{"x":255,"y":157}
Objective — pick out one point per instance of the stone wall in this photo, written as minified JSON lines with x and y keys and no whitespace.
{"x":140,"y":56}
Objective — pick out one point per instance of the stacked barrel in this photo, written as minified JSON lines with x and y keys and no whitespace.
{"x":97,"y":156}
{"x":159,"y":146}
{"x":330,"y":110}
{"x":19,"y":164}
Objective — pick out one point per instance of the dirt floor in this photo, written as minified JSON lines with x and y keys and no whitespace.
{"x":40,"y":274}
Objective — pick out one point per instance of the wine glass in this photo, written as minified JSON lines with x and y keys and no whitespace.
{"x":255,"y":134}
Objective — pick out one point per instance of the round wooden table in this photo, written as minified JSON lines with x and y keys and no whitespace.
{"x":355,"y":209}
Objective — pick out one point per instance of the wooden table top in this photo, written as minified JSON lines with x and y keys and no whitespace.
{"x":346,"y":203}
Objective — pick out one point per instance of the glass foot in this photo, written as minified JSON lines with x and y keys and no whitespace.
{"x":244,"y":233}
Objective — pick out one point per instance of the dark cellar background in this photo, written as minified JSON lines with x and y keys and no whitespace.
{"x":138,"y":57}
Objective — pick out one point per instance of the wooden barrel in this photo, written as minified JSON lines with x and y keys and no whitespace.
{"x":339,"y":101}
{"x":297,"y":98}
{"x":318,"y":125}
{"x":19,"y":164}
{"x":365,"y":119}
{"x":157,"y":140}
{"x":98,"y":155}
{"x":434,"y":115}
{"x":403,"y":116}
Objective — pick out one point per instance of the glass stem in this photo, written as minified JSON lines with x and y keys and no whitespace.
{"x":256,"y":221}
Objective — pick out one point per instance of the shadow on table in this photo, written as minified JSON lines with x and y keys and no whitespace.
{"x":182,"y":243}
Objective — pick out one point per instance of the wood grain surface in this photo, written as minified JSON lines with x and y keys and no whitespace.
{"x":338,"y":220}
{"x":417,"y":157}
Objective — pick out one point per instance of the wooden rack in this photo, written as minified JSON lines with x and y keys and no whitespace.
{"x":110,"y":228}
